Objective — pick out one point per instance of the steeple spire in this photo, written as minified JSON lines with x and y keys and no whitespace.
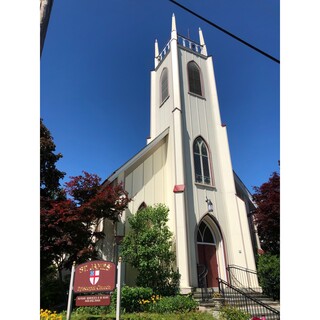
{"x":174,"y":34}
{"x":202,"y":43}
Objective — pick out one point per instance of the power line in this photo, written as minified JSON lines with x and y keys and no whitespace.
{"x":225,"y":31}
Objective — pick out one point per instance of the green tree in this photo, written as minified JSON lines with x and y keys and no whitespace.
{"x":269,"y":274}
{"x":50,"y":189}
{"x":52,"y":287}
{"x":50,"y":176}
{"x":148,"y":248}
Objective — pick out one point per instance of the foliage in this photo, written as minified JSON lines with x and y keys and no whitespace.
{"x":68,"y":226}
{"x":96,"y":202}
{"x":144,"y":316}
{"x":52,"y":288}
{"x":232,"y":313}
{"x":267,"y":215}
{"x":49,"y":175}
{"x":139,"y":299}
{"x":50,"y":189}
{"x":52,"y":291}
{"x":178,"y":303}
{"x":148,"y":248}
{"x":93,"y":310}
{"x":46,"y":314}
{"x":269,"y":274}
{"x":131,"y":298}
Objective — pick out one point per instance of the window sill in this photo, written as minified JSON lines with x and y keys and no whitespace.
{"x":164,"y":101}
{"x":203,"y":185}
{"x":196,"y":95}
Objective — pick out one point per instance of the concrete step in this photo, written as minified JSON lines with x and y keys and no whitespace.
{"x":200,"y":293}
{"x":213,"y":289}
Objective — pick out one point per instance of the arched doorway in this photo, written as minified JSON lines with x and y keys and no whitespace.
{"x":207,"y":256}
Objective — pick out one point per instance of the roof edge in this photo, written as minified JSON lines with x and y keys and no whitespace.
{"x":140,"y":154}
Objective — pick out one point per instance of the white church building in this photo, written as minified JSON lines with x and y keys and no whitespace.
{"x":186,"y":165}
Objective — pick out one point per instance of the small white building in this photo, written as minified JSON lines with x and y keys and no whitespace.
{"x":186,"y":165}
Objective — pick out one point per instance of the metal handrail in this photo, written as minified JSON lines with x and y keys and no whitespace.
{"x":242,"y":300}
{"x":243,"y":278}
{"x":202,"y":282}
{"x":202,"y":276}
{"x":241,"y":268}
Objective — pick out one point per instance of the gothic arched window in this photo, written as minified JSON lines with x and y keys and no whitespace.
{"x":204,"y":234}
{"x":164,"y":85}
{"x":194,"y":78}
{"x":201,"y":161}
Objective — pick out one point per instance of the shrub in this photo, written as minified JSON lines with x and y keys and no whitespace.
{"x":147,"y":316}
{"x":131,"y":298}
{"x":148,"y":248}
{"x":138,"y":299}
{"x":231,"y":313}
{"x":93,"y":310}
{"x":177,"y":303}
{"x":53,"y":291}
{"x":269,"y":275}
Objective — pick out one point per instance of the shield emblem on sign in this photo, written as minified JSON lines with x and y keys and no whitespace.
{"x":94,"y":276}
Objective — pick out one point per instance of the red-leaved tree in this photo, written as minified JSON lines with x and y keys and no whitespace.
{"x":68,"y":227}
{"x":267,"y":215}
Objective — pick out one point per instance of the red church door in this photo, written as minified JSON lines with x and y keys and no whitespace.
{"x":207,"y":257}
{"x":207,"y":253}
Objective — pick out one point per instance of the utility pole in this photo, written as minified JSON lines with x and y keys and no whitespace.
{"x":45,"y":11}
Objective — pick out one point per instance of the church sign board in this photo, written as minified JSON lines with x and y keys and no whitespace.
{"x":95,"y":276}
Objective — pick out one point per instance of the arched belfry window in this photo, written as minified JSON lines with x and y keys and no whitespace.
{"x":201,"y":161}
{"x":164,"y":85}
{"x":194,"y":78}
{"x":205,"y":234}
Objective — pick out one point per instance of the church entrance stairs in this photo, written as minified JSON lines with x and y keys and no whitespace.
{"x":255,"y":303}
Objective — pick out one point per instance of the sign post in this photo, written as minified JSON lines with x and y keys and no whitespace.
{"x":70,"y":291}
{"x":118,"y":290}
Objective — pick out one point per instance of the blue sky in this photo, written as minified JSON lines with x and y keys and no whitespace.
{"x":95,"y":79}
